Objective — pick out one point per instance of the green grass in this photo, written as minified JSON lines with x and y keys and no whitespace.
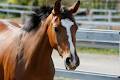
{"x":2,"y":15}
{"x":87,"y":50}
{"x":5,"y":15}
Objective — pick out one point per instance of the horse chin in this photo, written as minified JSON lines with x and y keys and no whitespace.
{"x":70,"y":68}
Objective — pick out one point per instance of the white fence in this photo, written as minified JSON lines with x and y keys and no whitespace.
{"x":17,"y":6}
{"x":81,"y":75}
{"x":100,"y":14}
{"x":98,"y":38}
{"x":85,"y":35}
{"x":108,"y":15}
{"x":82,"y":34}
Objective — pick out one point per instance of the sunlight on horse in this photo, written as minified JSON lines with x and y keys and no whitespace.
{"x":25,"y":53}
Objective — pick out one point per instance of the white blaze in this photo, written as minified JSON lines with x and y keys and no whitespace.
{"x":68,"y":24}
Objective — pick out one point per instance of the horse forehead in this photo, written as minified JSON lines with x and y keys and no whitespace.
{"x":67,"y":23}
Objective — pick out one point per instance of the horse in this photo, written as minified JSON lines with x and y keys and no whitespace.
{"x":25,"y":52}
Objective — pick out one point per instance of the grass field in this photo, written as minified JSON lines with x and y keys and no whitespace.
{"x":84,"y":50}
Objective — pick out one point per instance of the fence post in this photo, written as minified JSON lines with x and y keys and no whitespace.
{"x":119,"y":46}
{"x":119,"y":54}
{"x":90,"y":15}
{"x":22,"y":17}
{"x":109,"y":16}
{"x":8,"y":16}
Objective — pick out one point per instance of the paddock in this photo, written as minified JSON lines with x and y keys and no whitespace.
{"x":92,"y":67}
{"x":91,"y":33}
{"x":62,"y":74}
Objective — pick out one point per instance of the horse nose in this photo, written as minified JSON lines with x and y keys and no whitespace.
{"x":71,"y":63}
{"x":68,"y":61}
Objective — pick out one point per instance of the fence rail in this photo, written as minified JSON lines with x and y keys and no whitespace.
{"x":98,"y":23}
{"x":100,"y":14}
{"x":17,"y":6}
{"x":98,"y":35}
{"x":98,"y":38}
{"x":15,"y":11}
{"x":81,"y":75}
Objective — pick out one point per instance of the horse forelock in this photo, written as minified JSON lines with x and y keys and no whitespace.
{"x":65,"y":14}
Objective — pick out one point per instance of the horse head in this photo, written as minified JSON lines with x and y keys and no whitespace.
{"x":62,"y":33}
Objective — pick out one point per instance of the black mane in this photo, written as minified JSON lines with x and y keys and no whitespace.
{"x":42,"y":13}
{"x":36,"y":17}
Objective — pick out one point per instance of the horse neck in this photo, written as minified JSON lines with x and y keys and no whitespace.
{"x":37,"y":49}
{"x":42,"y":53}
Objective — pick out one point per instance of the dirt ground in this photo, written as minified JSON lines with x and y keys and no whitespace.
{"x":104,"y":64}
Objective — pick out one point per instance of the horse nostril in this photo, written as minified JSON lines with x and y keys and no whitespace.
{"x":68,"y":61}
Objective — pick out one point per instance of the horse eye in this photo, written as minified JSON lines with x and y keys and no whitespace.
{"x":56,"y":29}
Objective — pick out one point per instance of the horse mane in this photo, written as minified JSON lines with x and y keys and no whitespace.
{"x":36,"y":17}
{"x":42,"y":13}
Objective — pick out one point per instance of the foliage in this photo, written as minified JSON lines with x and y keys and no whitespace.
{"x":2,"y":15}
{"x":100,"y":4}
{"x":51,"y":2}
{"x":21,"y":2}
{"x":40,"y":2}
{"x":2,"y":1}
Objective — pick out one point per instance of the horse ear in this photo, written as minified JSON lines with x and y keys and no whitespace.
{"x":75,"y":7}
{"x":57,"y":6}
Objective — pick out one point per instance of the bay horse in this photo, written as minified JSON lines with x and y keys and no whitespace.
{"x":25,"y":52}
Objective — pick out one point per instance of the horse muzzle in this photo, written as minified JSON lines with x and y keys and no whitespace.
{"x":70,"y":64}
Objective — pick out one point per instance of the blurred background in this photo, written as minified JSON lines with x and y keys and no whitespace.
{"x":98,"y":36}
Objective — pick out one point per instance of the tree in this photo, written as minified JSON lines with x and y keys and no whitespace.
{"x":40,"y":2}
{"x":2,"y":1}
{"x":22,"y":2}
{"x":12,"y":1}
